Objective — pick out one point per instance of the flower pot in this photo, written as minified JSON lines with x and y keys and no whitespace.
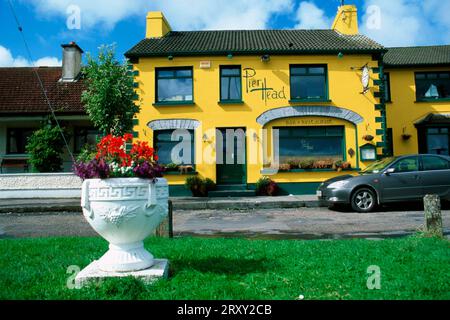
{"x":406,"y":136}
{"x":125,"y":211}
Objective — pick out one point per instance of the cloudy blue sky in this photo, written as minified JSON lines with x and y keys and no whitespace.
{"x":45,"y":22}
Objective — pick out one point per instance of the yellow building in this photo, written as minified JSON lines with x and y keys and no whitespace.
{"x":418,"y":99}
{"x":306,"y":101}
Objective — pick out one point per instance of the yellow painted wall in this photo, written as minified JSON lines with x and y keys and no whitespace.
{"x":404,"y":111}
{"x":344,"y":91}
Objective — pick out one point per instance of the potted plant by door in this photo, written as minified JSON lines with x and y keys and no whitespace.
{"x":124,"y":198}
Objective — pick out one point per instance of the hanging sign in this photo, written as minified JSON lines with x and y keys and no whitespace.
{"x":365,"y":78}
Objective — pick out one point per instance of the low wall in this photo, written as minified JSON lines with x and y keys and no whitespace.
{"x":40,"y":186}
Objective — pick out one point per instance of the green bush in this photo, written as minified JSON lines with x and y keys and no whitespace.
{"x":172,"y":167}
{"x":306,"y":164}
{"x":267,"y":187}
{"x":293,"y":164}
{"x":87,"y":153}
{"x":199,"y":186}
{"x":210,"y":185}
{"x":45,"y":147}
{"x":109,"y":97}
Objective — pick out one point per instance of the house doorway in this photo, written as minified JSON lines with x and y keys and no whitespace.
{"x":231,"y":156}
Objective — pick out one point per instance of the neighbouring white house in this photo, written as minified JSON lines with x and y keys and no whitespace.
{"x":23,"y":108}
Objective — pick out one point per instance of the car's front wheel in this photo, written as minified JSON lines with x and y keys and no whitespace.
{"x":364,"y":200}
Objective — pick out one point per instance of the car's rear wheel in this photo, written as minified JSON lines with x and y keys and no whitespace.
{"x":364,"y":200}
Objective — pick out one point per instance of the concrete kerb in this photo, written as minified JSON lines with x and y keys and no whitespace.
{"x":180,"y":204}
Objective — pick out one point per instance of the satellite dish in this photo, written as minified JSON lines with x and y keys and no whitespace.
{"x":365,"y":78}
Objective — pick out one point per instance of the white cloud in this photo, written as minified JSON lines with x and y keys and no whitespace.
{"x":403,"y":22}
{"x":182,"y":14}
{"x":222,"y":14}
{"x":408,"y":22}
{"x":309,"y":16}
{"x":48,"y":62}
{"x":7,"y":60}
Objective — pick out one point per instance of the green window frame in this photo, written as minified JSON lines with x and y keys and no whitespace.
{"x":161,"y":140}
{"x":227,"y":75}
{"x":432,"y":86}
{"x":17,"y":140}
{"x":302,"y":139}
{"x":176,"y":79}
{"x":302,"y":79}
{"x":387,"y":87}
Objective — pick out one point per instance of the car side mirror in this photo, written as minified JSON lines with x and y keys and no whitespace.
{"x":389,"y":171}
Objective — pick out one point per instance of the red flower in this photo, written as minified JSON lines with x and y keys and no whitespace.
{"x":113,"y":149}
{"x":141,"y":151}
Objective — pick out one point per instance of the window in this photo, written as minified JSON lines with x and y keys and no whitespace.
{"x":434,"y":163}
{"x":407,"y":165}
{"x":230,"y":83}
{"x":309,"y":82}
{"x":311,"y":143}
{"x":85,"y":136}
{"x":387,"y":87}
{"x":432,"y":85}
{"x":437,"y":140}
{"x":17,"y":140}
{"x":174,"y":85}
{"x":165,"y":141}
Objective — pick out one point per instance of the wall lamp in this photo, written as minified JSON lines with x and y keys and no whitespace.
{"x":265,"y":58}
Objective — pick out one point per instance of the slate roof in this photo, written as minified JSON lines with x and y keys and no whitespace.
{"x":188,"y":43}
{"x":20,"y":92}
{"x":417,"y":56}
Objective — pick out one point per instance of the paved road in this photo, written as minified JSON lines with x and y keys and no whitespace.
{"x":303,"y":223}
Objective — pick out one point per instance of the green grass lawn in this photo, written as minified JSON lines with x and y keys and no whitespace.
{"x":411,"y":268}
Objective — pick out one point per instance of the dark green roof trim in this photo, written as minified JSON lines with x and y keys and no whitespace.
{"x":409,"y":66}
{"x":248,"y":53}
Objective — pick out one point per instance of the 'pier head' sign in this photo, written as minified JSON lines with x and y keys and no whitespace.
{"x":254,"y":84}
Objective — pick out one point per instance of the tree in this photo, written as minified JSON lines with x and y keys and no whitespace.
{"x":109,"y":98}
{"x":45,"y":147}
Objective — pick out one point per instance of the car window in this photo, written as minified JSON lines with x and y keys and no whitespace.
{"x":407,"y":165}
{"x":434,"y":163}
{"x":378,"y":166}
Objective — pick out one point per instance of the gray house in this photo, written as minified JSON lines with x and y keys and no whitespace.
{"x":23,"y":108}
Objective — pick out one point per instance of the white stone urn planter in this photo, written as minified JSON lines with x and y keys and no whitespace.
{"x":125,"y":211}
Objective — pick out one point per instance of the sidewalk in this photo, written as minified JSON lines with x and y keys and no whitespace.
{"x":73,"y":205}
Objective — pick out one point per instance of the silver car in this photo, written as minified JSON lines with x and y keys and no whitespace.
{"x":395,"y":179}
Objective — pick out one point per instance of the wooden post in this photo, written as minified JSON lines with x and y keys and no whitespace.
{"x":165,"y":229}
{"x":433,"y":217}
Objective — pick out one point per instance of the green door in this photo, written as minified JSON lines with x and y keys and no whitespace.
{"x":231,"y":156}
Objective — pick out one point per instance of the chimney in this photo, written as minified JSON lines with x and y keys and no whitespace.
{"x":346,"y":21}
{"x":157,"y":25}
{"x":71,"y":66}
